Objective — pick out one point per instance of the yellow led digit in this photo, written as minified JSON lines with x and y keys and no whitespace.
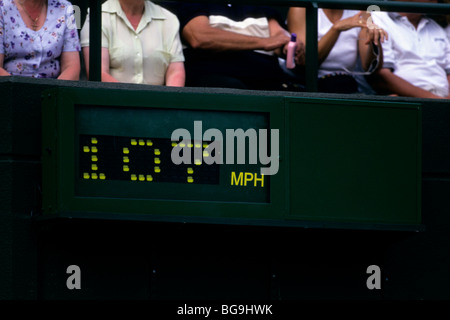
{"x":149,"y":177}
{"x":174,"y":144}
{"x":157,"y":152}
{"x":141,"y":142}
{"x":126,"y":160}
{"x":141,"y":177}
{"x":133,"y":177}
{"x":126,"y":168}
{"x":157,"y":161}
{"x":190,"y":179}
{"x":133,"y":142}
{"x":149,"y":143}
{"x":190,"y":170}
{"x":197,"y":162}
{"x":126,"y":150}
{"x":157,"y":169}
{"x":205,"y":154}
{"x":94,"y":161}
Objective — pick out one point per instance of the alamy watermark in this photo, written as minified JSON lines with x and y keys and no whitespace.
{"x":374,"y":280}
{"x":74,"y":280}
{"x":74,"y":12}
{"x":370,"y":9}
{"x":258,"y":142}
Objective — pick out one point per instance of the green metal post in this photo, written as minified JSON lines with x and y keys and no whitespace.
{"x":95,"y":36}
{"x":311,"y":47}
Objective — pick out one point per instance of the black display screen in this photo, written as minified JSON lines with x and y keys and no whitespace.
{"x":145,"y":160}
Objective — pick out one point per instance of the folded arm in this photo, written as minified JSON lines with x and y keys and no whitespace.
{"x":385,"y":81}
{"x":201,"y":35}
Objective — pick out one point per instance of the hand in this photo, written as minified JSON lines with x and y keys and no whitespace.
{"x":300,"y":53}
{"x":359,"y":20}
{"x":375,"y":34}
{"x":277,"y":41}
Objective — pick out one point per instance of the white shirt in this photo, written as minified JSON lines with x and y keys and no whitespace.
{"x":255,"y":27}
{"x":345,"y":51}
{"x":421,"y":56}
{"x":142,"y":55}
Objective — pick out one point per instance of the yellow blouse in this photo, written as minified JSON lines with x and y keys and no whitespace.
{"x":141,"y":55}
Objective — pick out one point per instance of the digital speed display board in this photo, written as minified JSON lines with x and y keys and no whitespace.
{"x":127,"y":152}
{"x":228,"y":158}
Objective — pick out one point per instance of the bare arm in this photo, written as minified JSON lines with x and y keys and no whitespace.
{"x":296,"y":21}
{"x":3,"y":72}
{"x":86,"y":60}
{"x":200,"y":35}
{"x":277,"y":31}
{"x":366,"y":50}
{"x":106,"y":77}
{"x":448,"y":80}
{"x":385,"y":80}
{"x":70,"y":66}
{"x":297,"y":24}
{"x":175,"y":75}
{"x":368,"y":38}
{"x":327,"y":42}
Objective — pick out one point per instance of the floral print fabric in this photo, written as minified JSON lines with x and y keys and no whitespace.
{"x":36,"y":53}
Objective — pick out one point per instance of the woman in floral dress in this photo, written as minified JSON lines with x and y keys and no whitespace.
{"x":39,"y":39}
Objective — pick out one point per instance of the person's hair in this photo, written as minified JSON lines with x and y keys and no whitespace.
{"x":441,"y":19}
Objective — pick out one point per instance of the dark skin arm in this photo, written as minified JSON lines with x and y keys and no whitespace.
{"x":201,"y":35}
{"x":386,"y":82}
